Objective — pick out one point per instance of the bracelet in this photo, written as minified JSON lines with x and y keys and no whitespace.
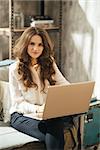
{"x":37,"y":109}
{"x":37,"y":114}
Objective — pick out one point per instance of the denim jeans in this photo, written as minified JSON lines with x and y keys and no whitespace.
{"x":50,"y":131}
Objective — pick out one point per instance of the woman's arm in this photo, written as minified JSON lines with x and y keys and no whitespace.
{"x":17,"y":98}
{"x":60,"y":79}
{"x":15,"y":93}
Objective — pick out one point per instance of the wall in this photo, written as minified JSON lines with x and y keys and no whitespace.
{"x":76,"y":30}
{"x":4,"y":21}
{"x":81,"y":48}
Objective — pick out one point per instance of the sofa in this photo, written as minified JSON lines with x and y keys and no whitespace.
{"x":11,"y":139}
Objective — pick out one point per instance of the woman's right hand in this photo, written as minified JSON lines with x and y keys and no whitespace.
{"x":38,"y":114}
{"x":40,"y":109}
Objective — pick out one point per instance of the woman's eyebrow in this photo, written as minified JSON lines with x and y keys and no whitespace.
{"x":31,"y":42}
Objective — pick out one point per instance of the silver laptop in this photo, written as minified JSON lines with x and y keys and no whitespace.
{"x":64,"y":100}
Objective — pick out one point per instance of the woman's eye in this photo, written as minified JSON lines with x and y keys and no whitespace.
{"x":32,"y":43}
{"x":40,"y":44}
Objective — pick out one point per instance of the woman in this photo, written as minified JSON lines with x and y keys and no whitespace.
{"x":29,"y":78}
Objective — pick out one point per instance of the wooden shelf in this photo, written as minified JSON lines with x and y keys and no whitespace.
{"x":19,"y":30}
{"x":46,"y":28}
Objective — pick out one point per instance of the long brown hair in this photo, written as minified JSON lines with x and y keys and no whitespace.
{"x":45,"y":61}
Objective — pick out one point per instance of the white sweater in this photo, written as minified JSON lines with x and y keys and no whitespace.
{"x":26,"y":102}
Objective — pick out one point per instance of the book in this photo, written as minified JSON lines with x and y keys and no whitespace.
{"x":41,"y":25}
{"x":42,"y":21}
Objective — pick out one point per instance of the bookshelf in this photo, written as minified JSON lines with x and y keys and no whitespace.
{"x":42,"y":7}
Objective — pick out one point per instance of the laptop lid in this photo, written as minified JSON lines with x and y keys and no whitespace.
{"x":64,"y":100}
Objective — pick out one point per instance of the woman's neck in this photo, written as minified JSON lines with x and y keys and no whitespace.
{"x":34,"y":62}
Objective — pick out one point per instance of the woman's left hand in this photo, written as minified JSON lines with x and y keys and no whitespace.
{"x":39,"y":115}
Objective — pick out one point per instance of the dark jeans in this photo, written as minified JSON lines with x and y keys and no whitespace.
{"x":50,"y":131}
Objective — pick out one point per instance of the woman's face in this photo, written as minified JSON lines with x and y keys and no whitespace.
{"x":35,"y":47}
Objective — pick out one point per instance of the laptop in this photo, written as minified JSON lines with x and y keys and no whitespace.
{"x":65,"y":100}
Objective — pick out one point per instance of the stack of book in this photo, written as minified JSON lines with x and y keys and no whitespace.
{"x":42,"y":21}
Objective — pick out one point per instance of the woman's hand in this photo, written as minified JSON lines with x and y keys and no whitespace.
{"x":40,"y":109}
{"x":38,"y":114}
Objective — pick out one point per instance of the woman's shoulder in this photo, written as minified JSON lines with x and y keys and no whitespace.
{"x":14,"y":65}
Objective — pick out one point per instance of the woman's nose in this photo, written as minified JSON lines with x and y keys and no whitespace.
{"x":35,"y":47}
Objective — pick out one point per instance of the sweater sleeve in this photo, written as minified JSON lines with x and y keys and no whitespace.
{"x":18,"y":103}
{"x":60,"y":79}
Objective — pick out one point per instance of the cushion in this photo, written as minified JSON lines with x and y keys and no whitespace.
{"x":1,"y":98}
{"x":6,"y":62}
{"x":4,"y":69}
{"x":1,"y":106}
{"x":4,"y":94}
{"x":13,"y":137}
{"x":4,"y":73}
{"x":5,"y":100}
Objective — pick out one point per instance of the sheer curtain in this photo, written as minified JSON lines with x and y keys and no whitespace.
{"x":92,"y":11}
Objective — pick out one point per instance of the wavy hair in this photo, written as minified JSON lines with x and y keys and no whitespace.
{"x":45,"y":61}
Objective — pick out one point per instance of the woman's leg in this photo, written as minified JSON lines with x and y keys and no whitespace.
{"x":55,"y":134}
{"x":49,"y":131}
{"x":27,"y":125}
